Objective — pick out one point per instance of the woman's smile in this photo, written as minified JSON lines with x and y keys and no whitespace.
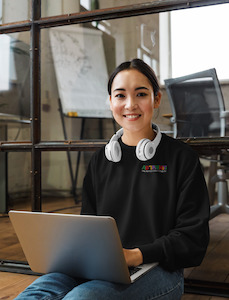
{"x":132,"y":117}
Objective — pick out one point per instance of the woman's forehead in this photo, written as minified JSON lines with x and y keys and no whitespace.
{"x":131,"y":78}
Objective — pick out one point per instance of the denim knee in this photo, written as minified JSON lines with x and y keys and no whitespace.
{"x":157,"y":284}
{"x":49,"y":286}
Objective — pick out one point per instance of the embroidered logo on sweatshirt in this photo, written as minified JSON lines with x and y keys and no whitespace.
{"x":154,"y":168}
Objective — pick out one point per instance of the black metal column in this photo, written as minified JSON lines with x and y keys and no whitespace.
{"x":35,"y":104}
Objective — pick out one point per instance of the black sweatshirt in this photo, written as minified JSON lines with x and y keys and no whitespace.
{"x":161,"y":205}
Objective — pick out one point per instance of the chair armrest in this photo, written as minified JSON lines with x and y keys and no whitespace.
{"x":173,"y":120}
{"x":224,"y":114}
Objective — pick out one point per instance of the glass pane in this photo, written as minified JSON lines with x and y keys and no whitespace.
{"x":76,"y":62}
{"x":14,"y":11}
{"x":100,"y":4}
{"x":19,"y":180}
{"x":74,"y":70}
{"x":61,"y":7}
{"x":62,"y":179}
{"x":187,"y":41}
{"x":15,"y":191}
{"x":15,"y":86}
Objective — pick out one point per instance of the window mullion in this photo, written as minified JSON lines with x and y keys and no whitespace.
{"x":35,"y":104}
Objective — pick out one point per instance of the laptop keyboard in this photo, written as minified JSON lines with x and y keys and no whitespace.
{"x":133,"y":270}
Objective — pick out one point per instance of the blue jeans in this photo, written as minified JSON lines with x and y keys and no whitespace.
{"x":156,"y":284}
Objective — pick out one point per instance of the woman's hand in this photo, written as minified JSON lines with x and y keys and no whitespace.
{"x":133,"y":257}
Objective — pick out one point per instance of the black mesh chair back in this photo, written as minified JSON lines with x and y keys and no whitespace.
{"x":197,"y":105}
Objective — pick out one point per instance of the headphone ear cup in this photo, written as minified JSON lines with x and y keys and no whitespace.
{"x":107,"y":152}
{"x":145,"y":149}
{"x":113,"y":151}
{"x":149,"y":150}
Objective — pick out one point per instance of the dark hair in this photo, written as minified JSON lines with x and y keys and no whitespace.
{"x":140,"y":66}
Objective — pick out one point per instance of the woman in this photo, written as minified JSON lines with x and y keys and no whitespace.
{"x":154,"y":188}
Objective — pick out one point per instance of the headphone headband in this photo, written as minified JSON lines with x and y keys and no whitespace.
{"x":157,"y":138}
{"x":117,"y":135}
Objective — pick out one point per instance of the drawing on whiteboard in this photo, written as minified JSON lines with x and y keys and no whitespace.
{"x":81,"y":71}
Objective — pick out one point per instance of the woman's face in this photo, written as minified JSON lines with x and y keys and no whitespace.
{"x":132,"y":101}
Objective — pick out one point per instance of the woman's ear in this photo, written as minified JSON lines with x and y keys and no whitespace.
{"x":157,"y":100}
{"x":110,"y":101}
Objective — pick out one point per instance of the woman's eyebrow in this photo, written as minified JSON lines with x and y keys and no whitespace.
{"x":119,"y":89}
{"x":141,"y":88}
{"x":138,"y":88}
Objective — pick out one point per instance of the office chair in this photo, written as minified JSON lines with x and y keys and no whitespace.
{"x":198,"y":111}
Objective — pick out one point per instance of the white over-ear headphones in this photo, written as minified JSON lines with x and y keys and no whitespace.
{"x":145,"y":148}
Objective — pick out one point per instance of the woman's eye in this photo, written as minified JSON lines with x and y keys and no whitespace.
{"x":141,"y":94}
{"x":119,"y":96}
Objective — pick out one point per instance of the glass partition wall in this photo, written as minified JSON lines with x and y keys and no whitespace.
{"x":55,"y":62}
{"x":55,"y":59}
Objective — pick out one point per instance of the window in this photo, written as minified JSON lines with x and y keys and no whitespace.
{"x":4,"y":63}
{"x":199,"y":40}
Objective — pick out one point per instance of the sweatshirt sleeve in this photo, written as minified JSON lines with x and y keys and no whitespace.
{"x":185,"y":245}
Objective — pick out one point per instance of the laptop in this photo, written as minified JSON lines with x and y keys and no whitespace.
{"x":82,"y":246}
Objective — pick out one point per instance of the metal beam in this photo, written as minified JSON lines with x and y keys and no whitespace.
{"x":204,"y":146}
{"x":110,"y":13}
{"x":15,"y":27}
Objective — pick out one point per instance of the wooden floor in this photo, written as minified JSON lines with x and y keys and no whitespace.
{"x":215,"y":267}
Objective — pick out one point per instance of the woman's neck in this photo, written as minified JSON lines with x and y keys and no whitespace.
{"x":132,"y":138}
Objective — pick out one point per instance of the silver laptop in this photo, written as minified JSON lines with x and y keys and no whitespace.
{"x":77,"y":245}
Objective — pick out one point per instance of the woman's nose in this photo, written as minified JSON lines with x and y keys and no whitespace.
{"x":131,"y":102}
